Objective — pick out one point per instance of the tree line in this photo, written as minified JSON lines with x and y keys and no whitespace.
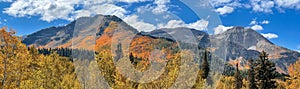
{"x":31,"y":68}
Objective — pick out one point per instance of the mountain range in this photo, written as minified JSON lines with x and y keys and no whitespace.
{"x":236,"y":45}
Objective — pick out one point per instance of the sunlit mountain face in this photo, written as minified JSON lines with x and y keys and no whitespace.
{"x":149,"y":44}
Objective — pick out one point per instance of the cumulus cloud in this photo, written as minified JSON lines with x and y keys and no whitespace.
{"x":48,"y":10}
{"x":161,"y":6}
{"x":105,"y":9}
{"x":231,"y":3}
{"x":288,"y":3}
{"x":265,"y":22}
{"x":220,"y":2}
{"x":131,"y":1}
{"x":266,"y":6}
{"x":199,"y":25}
{"x":6,"y":0}
{"x":140,"y":25}
{"x":221,"y":29}
{"x":225,"y":10}
{"x":257,"y":27}
{"x":270,"y":35}
{"x":64,"y":9}
{"x":262,"y":6}
{"x":253,"y":22}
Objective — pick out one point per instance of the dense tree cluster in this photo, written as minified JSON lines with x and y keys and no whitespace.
{"x":67,"y":52}
{"x":24,"y":67}
{"x":261,"y":75}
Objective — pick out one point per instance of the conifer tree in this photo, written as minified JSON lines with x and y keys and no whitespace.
{"x":250,"y":76}
{"x":205,"y":66}
{"x":238,"y":78}
{"x":131,"y":57}
{"x":119,"y":52}
{"x":264,"y":72}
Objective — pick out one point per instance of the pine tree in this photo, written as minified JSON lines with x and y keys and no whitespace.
{"x":250,"y":76}
{"x":264,"y":72}
{"x":119,"y":52}
{"x":238,"y":78}
{"x":205,"y":66}
{"x":131,"y":57}
{"x":228,"y":70}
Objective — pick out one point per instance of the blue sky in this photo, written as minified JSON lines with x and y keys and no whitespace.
{"x":278,"y":20}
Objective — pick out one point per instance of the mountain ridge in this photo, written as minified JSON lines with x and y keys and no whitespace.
{"x":237,"y":43}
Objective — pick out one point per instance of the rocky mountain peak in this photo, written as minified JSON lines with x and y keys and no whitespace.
{"x":57,"y":36}
{"x":245,"y":37}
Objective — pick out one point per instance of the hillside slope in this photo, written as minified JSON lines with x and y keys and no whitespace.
{"x":101,"y":32}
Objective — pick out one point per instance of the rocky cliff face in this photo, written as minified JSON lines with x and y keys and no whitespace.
{"x":235,"y":45}
{"x":240,"y":44}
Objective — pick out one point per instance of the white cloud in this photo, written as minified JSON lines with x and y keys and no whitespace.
{"x":225,"y":10}
{"x":6,"y":0}
{"x":262,"y":6}
{"x":218,"y":2}
{"x":105,"y":9}
{"x":298,"y":47}
{"x":140,"y":25}
{"x":48,"y":10}
{"x":270,"y":35}
{"x":257,"y":27}
{"x":199,"y":25}
{"x":65,"y":9}
{"x":144,"y":8}
{"x":288,"y":3}
{"x":161,"y":6}
{"x":221,"y":29}
{"x":266,"y":6}
{"x":172,"y":24}
{"x":132,"y":1}
{"x":265,"y":22}
{"x":253,"y":22}
{"x":232,"y":3}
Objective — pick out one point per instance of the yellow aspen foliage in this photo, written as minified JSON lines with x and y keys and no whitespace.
{"x":294,"y":72}
{"x":25,"y":68}
{"x":14,"y":60}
